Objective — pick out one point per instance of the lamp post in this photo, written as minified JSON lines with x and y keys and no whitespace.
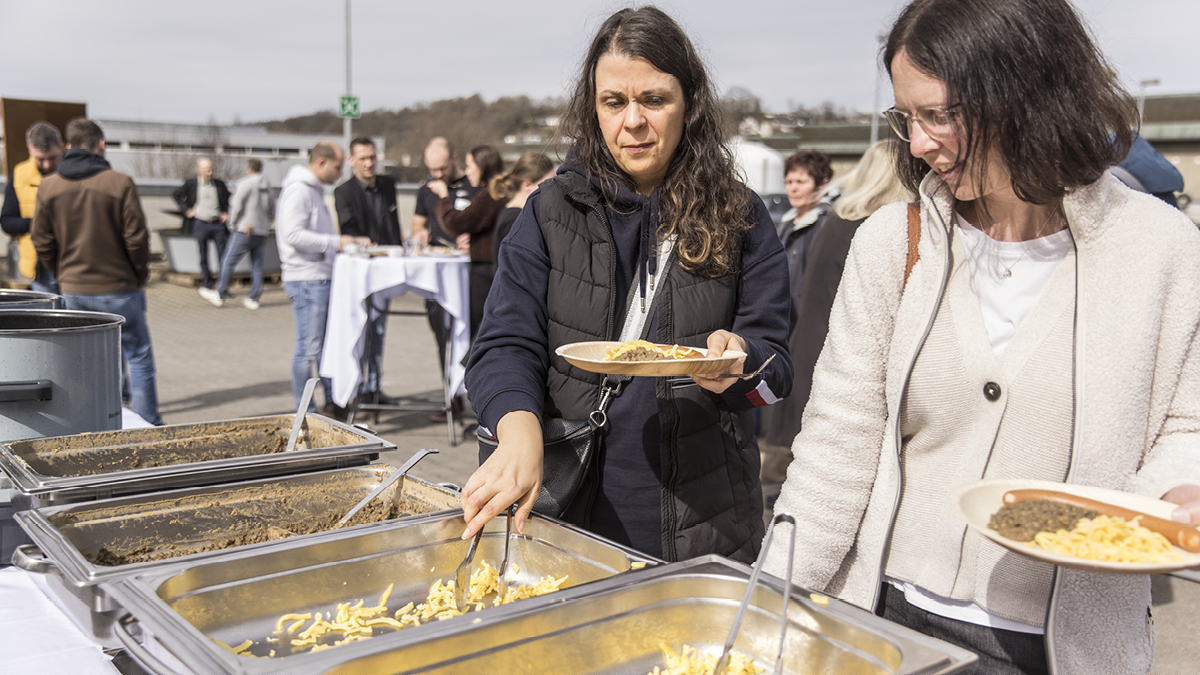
{"x":346,"y":121}
{"x":875,"y":112}
{"x":1142,"y":96}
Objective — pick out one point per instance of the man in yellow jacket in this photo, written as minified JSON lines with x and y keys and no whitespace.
{"x":45,"y":152}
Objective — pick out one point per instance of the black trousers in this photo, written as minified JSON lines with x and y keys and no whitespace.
{"x":1001,"y":652}
{"x":203,"y":231}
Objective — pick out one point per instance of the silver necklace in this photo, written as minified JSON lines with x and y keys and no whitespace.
{"x":1007,"y":269}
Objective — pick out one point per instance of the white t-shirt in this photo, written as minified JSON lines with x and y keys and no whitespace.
{"x":1009,"y":278}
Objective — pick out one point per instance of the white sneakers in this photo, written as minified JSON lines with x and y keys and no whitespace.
{"x":215,"y":298}
{"x":212,"y":296}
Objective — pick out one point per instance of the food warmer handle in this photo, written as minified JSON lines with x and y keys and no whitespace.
{"x":30,"y":558}
{"x":144,"y":658}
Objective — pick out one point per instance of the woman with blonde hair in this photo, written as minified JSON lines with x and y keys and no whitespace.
{"x":872,"y":183}
{"x":513,"y":190}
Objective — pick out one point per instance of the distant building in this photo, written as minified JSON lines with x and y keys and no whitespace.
{"x":154,"y":152}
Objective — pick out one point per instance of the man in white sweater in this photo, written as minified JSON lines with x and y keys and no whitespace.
{"x":307,"y":242}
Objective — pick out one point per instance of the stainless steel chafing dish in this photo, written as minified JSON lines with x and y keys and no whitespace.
{"x":613,"y":626}
{"x":243,"y":597}
{"x":82,"y":467}
{"x":201,"y":524}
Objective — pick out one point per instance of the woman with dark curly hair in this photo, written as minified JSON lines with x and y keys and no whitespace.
{"x":646,"y":220}
{"x":1045,"y":329}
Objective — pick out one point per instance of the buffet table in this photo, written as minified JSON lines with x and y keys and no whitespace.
{"x":38,"y":633}
{"x":357,"y":279}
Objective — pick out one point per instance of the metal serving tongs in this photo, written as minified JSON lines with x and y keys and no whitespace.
{"x":723,"y":663}
{"x":505,"y":567}
{"x":681,"y":382}
{"x":395,"y":475}
{"x":301,"y":413}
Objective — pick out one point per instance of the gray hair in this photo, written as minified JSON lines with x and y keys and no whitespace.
{"x":43,"y":136}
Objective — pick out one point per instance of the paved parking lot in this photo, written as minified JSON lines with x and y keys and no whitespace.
{"x":220,"y":363}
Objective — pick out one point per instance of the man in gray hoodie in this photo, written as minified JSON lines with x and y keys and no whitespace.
{"x":307,"y":243}
{"x":251,"y":211}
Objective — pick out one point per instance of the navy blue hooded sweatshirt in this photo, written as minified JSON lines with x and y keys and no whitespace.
{"x":510,"y":356}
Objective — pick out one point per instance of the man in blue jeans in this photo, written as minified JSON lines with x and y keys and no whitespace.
{"x":251,"y":207}
{"x":204,"y":201}
{"x":307,"y":243}
{"x":90,"y":233}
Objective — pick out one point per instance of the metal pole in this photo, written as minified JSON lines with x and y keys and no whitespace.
{"x":878,"y":91}
{"x":1141,"y":99}
{"x":346,"y":122}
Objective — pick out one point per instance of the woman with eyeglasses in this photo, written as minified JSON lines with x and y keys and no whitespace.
{"x":1047,"y":330}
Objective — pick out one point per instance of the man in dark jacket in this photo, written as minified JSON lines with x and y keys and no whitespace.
{"x":45,"y":146}
{"x":366,"y":207}
{"x":204,"y":202}
{"x":90,"y":233}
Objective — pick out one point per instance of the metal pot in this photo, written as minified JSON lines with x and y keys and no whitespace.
{"x":15,"y":299}
{"x":61,"y":374}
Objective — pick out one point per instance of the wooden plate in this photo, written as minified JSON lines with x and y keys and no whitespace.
{"x":975,"y":502}
{"x":591,"y":356}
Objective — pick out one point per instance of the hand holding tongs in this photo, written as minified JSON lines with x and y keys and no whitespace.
{"x":723,"y":663}
{"x":463,"y":574}
{"x":681,"y":382}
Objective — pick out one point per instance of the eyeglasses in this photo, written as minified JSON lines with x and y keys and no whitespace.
{"x":938,"y":123}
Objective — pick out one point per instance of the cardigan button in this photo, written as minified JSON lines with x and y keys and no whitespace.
{"x":991,"y":391}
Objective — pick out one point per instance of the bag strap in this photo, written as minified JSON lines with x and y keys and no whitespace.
{"x":914,"y":238}
{"x":635,"y":327}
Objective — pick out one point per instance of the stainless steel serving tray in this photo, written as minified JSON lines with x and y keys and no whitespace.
{"x":69,"y":537}
{"x":242,"y":597}
{"x":613,"y":626}
{"x":83,"y":467}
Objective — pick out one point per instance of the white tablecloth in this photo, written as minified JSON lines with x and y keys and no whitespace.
{"x":443,"y":279}
{"x":38,"y":636}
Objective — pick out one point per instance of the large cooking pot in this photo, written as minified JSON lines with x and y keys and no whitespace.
{"x":17,"y":299}
{"x":61,"y":372}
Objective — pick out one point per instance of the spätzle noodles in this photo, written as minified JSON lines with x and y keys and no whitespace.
{"x":1109,"y":540}
{"x":351,"y":622}
{"x":669,"y":352}
{"x":690,"y":661}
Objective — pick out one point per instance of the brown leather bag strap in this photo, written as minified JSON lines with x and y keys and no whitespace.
{"x":914,"y":238}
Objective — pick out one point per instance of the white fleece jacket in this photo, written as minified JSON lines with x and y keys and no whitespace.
{"x":1137,"y":402}
{"x":304,"y":230}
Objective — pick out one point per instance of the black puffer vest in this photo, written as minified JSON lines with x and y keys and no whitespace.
{"x":711,"y":495}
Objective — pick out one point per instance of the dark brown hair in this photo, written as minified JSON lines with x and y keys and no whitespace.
{"x":813,"y":162}
{"x":254,"y":164}
{"x":489,"y":162}
{"x":84,"y":134}
{"x":702,"y":200}
{"x":1032,"y":87}
{"x":361,"y":140}
{"x":529,"y":167}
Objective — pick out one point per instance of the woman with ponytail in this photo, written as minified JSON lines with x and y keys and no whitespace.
{"x":514,"y":188}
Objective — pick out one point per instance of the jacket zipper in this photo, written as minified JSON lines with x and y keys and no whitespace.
{"x":887,"y":542}
{"x":1051,"y":607}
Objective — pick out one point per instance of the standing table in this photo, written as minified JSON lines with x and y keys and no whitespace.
{"x":359,"y":283}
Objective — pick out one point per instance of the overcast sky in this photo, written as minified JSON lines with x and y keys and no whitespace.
{"x":164,"y":60}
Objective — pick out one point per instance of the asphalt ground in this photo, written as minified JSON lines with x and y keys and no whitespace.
{"x":230,"y":362}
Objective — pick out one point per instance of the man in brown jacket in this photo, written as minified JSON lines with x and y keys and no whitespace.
{"x":90,"y":233}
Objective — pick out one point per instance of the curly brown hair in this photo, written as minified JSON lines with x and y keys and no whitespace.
{"x":703,"y":202}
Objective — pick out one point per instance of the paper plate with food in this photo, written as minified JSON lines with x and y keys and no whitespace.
{"x":646,"y":359}
{"x":1078,"y":526}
